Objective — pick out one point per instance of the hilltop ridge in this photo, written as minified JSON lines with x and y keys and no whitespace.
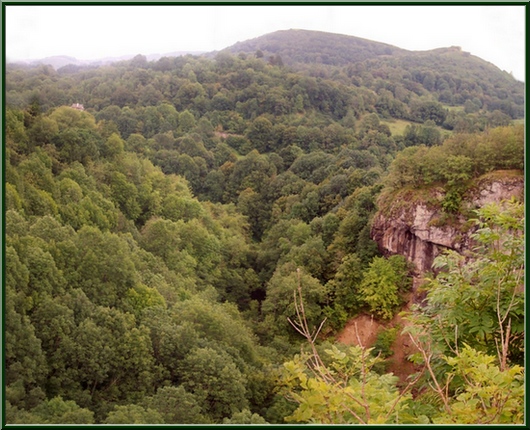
{"x":308,"y":46}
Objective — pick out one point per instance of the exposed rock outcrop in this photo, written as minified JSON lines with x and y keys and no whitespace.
{"x":416,"y":230}
{"x":411,"y":235}
{"x":491,"y":190}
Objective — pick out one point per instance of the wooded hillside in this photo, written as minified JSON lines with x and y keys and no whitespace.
{"x":154,"y":238}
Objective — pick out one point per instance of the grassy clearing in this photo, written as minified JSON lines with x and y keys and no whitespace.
{"x":453,"y":108}
{"x":396,"y":126}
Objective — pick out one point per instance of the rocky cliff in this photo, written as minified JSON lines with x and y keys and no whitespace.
{"x":416,"y":227}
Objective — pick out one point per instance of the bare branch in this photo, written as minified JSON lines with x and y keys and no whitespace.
{"x":320,"y":370}
{"x":404,"y":391}
{"x":353,"y":413}
{"x":427,"y":359}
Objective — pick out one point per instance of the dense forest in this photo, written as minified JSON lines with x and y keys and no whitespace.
{"x":185,"y":246}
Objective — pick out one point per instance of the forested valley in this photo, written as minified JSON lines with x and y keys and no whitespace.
{"x":185,"y":238}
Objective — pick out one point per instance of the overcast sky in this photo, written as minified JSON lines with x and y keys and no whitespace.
{"x":494,"y":33}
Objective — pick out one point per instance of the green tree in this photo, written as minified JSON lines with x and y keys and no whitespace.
{"x":171,"y":340}
{"x":429,"y":110}
{"x":343,"y":289}
{"x":486,"y":292}
{"x":469,"y":336}
{"x":382,"y":284}
{"x":162,"y":238}
{"x":457,"y":170}
{"x":137,"y":143}
{"x":186,"y":121}
{"x":142,"y":297}
{"x":57,"y":330}
{"x":44,"y":276}
{"x":251,"y":204}
{"x":43,"y":130}
{"x":215,"y":381}
{"x":12,"y":198}
{"x":115,"y":359}
{"x":78,"y":144}
{"x":59,"y":411}
{"x":125,"y":195}
{"x":489,"y":395}
{"x":260,"y":134}
{"x":25,"y":361}
{"x":38,"y":202}
{"x":102,"y":266}
{"x":278,"y":305}
{"x":219,"y":323}
{"x":133,"y":414}
{"x":16,"y":133}
{"x":113,"y":146}
{"x":346,"y":391}
{"x":245,"y":417}
{"x":68,"y":118}
{"x":178,"y":207}
{"x":176,"y":406}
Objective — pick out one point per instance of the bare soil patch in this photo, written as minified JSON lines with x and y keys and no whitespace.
{"x":363,"y":330}
{"x":402,"y":348}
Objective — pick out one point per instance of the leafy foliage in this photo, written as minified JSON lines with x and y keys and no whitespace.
{"x":343,"y":389}
{"x":469,"y":335}
{"x":458,"y":159}
{"x":153,"y":240}
{"x":490,"y":395}
{"x":382,"y":284}
{"x":346,"y":392}
{"x":486,"y":291}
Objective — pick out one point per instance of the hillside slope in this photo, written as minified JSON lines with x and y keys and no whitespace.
{"x":454,"y":76}
{"x":305,"y":46}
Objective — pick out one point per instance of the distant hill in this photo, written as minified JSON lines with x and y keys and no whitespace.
{"x":55,"y":61}
{"x":397,"y":82}
{"x":59,"y":61}
{"x":306,"y":46}
{"x":452,"y":75}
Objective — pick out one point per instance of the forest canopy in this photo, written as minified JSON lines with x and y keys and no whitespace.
{"x":154,"y":237}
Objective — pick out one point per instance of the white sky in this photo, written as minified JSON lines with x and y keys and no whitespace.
{"x":494,"y":33}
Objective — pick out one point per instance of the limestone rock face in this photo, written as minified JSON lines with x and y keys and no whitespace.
{"x":411,"y":234}
{"x":414,"y":230}
{"x":495,"y":191}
